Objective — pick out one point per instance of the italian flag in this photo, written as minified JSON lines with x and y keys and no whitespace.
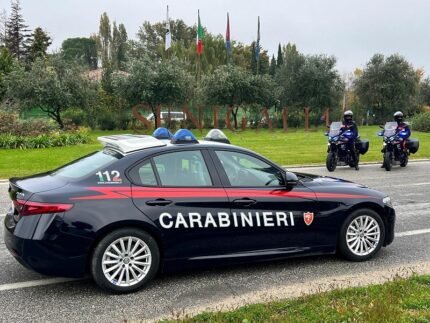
{"x":199,"y":35}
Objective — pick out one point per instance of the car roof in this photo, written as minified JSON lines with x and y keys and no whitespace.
{"x":127,"y":144}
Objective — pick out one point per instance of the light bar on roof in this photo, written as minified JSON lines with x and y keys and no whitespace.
{"x":129,"y":143}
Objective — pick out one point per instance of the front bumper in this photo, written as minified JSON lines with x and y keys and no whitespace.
{"x":52,"y":253}
{"x":390,"y":221}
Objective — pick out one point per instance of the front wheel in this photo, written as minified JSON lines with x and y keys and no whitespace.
{"x":405,"y":160}
{"x":331,"y":161}
{"x":388,"y":163}
{"x":362,"y":235}
{"x":125,"y":260}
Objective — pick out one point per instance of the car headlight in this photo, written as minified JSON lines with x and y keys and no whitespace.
{"x":387,"y":201}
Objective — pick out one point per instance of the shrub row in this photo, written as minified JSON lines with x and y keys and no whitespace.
{"x":11,"y":124}
{"x":8,"y":141}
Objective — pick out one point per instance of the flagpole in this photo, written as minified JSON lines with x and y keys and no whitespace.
{"x":258,"y":46}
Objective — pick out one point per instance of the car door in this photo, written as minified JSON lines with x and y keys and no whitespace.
{"x":271,"y":218}
{"x":182,"y":194}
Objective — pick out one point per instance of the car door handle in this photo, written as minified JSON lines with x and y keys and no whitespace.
{"x":244,"y":202}
{"x":158,"y":202}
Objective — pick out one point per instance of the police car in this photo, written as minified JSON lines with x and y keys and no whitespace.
{"x":149,"y":204}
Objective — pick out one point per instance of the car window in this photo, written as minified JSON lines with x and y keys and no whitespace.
{"x":248,"y":171}
{"x":143,"y":174}
{"x":87,"y":165}
{"x":182,"y":168}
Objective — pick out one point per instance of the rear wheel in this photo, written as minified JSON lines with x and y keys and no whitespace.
{"x":388,"y":164}
{"x":125,"y":260}
{"x":331,"y":162}
{"x":362,"y":235}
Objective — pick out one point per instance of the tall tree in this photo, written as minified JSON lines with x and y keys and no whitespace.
{"x":81,"y":49}
{"x":40,"y":41}
{"x":105,"y":39}
{"x":280,"y":59}
{"x":6,"y":66}
{"x":272,"y":69}
{"x":17,"y":33}
{"x":118,"y":46}
{"x":388,"y":84}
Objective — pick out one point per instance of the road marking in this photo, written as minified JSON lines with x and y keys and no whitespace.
{"x":416,"y":184}
{"x":411,"y":233}
{"x":34,"y":283}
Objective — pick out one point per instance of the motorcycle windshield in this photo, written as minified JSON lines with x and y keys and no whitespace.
{"x":335,"y":129}
{"x":390,"y":129}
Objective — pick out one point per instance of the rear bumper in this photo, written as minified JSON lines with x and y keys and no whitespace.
{"x":390,"y":221}
{"x":50,"y":255}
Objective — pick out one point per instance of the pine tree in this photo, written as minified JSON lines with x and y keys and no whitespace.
{"x":122,"y":49}
{"x":17,"y":33}
{"x":280,"y":59}
{"x":272,"y":69}
{"x":40,"y":41}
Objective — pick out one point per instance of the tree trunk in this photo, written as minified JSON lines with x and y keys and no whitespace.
{"x":234,"y":113}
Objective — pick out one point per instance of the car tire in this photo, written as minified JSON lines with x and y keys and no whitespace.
{"x":361,"y":235}
{"x":136,"y":256}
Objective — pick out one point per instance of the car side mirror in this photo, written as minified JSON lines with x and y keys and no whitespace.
{"x":291,"y":180}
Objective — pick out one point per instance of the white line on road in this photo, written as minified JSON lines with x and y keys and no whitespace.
{"x":50,"y":281}
{"x":34,"y":283}
{"x":411,"y":233}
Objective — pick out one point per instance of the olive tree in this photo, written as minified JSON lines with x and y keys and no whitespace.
{"x":52,"y":86}
{"x":155,"y":83}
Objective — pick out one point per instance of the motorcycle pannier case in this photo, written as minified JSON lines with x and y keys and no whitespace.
{"x":413,"y":145}
{"x":362,"y":146}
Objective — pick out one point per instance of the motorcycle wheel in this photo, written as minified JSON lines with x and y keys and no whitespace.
{"x":357,"y":161}
{"x":331,"y":162}
{"x":404,"y":161}
{"x":388,"y":164}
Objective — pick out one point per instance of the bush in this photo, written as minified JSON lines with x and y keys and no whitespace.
{"x":107,"y":122}
{"x":75,"y":116}
{"x":12,"y":125}
{"x":421,"y":122}
{"x":9,"y":141}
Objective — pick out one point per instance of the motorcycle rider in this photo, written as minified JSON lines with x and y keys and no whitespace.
{"x":402,"y":126}
{"x":349,"y":124}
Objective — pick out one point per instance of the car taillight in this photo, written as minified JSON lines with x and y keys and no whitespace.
{"x":26,"y":208}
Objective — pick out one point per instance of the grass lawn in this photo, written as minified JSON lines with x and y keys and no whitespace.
{"x":403,"y":300}
{"x":293,"y":148}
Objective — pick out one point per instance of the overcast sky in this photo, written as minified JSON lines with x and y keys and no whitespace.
{"x":352,"y":30}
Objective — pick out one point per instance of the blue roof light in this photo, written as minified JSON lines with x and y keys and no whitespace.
{"x":184,"y":136}
{"x":162,"y":133}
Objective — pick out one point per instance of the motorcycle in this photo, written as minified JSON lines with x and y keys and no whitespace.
{"x":338,"y":153}
{"x":394,"y":150}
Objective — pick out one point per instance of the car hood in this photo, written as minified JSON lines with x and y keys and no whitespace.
{"x":326,"y":180}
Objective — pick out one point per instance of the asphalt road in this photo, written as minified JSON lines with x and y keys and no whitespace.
{"x":83,"y":301}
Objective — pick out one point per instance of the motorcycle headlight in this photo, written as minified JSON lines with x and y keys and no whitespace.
{"x":387,"y":201}
{"x":384,"y":144}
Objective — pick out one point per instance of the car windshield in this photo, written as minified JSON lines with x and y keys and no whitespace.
{"x":335,"y":128}
{"x":87,"y":165}
{"x":390,"y":129}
